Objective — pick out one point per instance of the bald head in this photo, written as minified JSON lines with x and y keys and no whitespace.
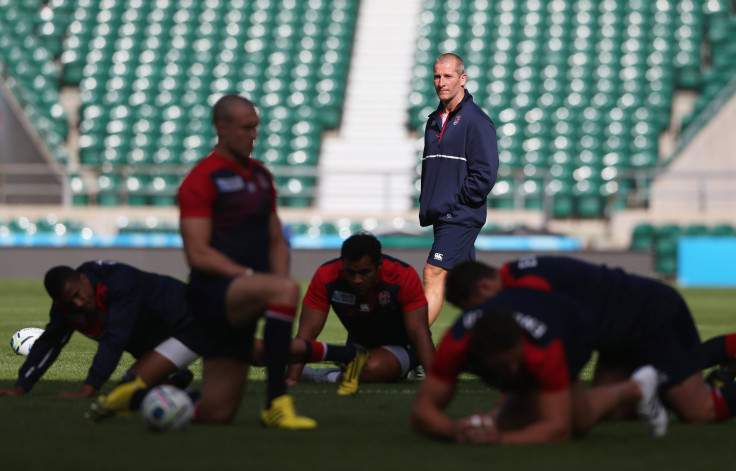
{"x":225,"y":108}
{"x":452,"y":59}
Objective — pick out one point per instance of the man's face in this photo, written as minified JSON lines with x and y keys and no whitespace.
{"x":505,"y":366}
{"x":361,"y":274}
{"x":485,"y":288}
{"x":447,"y":83}
{"x":79,"y":295}
{"x":238,"y":134}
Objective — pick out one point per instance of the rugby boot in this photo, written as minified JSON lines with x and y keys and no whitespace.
{"x":650,"y":407}
{"x":281,"y":414}
{"x":115,"y":403}
{"x":351,"y":375}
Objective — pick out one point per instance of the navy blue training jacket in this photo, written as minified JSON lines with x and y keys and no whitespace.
{"x":459,"y":166}
{"x":136,"y":310}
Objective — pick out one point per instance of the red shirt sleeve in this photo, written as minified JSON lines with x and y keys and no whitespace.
{"x":526,"y":281}
{"x":450,"y":357}
{"x":548,"y":366}
{"x":316,"y":295}
{"x":411,"y":294}
{"x":196,"y":195}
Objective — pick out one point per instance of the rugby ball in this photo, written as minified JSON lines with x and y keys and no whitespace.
{"x":23,"y":340}
{"x":167,"y":407}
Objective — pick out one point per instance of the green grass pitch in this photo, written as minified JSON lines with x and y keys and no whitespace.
{"x":367,"y":432}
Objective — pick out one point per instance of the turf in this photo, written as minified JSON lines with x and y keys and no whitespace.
{"x":366,"y":432}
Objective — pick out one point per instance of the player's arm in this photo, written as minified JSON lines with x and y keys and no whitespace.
{"x":196,"y":233}
{"x":417,"y":326}
{"x":44,"y":353}
{"x":311,"y":323}
{"x":554,"y":424}
{"x":125,"y":303}
{"x":278,"y":246}
{"x":427,"y":412}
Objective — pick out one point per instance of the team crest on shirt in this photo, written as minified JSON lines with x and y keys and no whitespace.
{"x":384,"y":298}
{"x":230,"y":184}
{"x":457,"y":120}
{"x":343,"y":297}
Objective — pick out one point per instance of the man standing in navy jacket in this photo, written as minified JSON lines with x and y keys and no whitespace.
{"x":459,"y":169}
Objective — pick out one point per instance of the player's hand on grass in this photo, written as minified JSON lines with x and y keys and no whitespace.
{"x":294,"y":374}
{"x":85,"y":391}
{"x":478,"y":428}
{"x":17,"y":391}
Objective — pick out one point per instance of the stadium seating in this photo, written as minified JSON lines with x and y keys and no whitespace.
{"x":149,"y":72}
{"x":579,"y":90}
{"x":662,"y":240}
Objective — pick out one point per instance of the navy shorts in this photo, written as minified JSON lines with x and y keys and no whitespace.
{"x":206,"y":298}
{"x":452,"y":245}
{"x":668,"y":340}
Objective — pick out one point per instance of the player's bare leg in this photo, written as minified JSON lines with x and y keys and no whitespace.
{"x":223,"y":385}
{"x":434,"y":290}
{"x":692,"y":400}
{"x":590,"y":406}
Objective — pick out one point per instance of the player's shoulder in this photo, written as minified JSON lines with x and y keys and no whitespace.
{"x":394,"y":262}
{"x":258,"y":166}
{"x":329,"y":270}
{"x":104,"y":267}
{"x":396,"y":271}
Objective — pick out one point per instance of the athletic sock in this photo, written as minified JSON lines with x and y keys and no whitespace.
{"x":276,"y":342}
{"x":320,"y":351}
{"x":719,"y":350}
{"x":321,"y":375}
{"x":137,"y":399}
{"x":724,"y":400}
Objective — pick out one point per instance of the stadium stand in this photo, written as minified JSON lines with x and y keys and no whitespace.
{"x":147,"y":73}
{"x":662,"y":240}
{"x":580,"y":90}
{"x":584,"y":94}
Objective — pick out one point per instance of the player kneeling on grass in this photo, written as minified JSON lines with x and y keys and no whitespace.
{"x":380,"y":302}
{"x":638,"y":321}
{"x":123,"y":309}
{"x":531,"y":345}
{"x":239,"y":259}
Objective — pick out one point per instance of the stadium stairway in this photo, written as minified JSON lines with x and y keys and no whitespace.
{"x":372,"y":157}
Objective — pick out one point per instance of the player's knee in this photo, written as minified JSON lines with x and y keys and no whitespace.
{"x":216,"y":415}
{"x":288,"y":291}
{"x":693,"y":414}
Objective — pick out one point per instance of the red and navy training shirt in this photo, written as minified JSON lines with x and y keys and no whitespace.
{"x":556,"y":342}
{"x":239,"y":200}
{"x":377,"y":318}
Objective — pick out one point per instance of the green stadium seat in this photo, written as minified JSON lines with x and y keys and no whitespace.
{"x":643,"y":237}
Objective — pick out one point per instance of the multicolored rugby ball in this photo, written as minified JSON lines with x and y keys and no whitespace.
{"x":167,"y":407}
{"x":23,"y":340}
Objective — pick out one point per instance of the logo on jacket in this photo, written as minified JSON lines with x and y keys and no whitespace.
{"x":438,"y":256}
{"x":343,"y":298}
{"x":230,"y":184}
{"x":457,"y":120}
{"x":384,"y":298}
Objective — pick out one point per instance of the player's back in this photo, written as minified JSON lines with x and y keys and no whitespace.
{"x":619,"y":301}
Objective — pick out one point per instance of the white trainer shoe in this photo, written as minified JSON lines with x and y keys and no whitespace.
{"x":650,"y":407}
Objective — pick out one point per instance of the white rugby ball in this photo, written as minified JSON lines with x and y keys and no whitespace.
{"x":167,"y":407}
{"x":23,"y":340}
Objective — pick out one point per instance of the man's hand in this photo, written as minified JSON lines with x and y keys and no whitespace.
{"x":85,"y":391}
{"x":17,"y":391}
{"x":478,"y":428}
